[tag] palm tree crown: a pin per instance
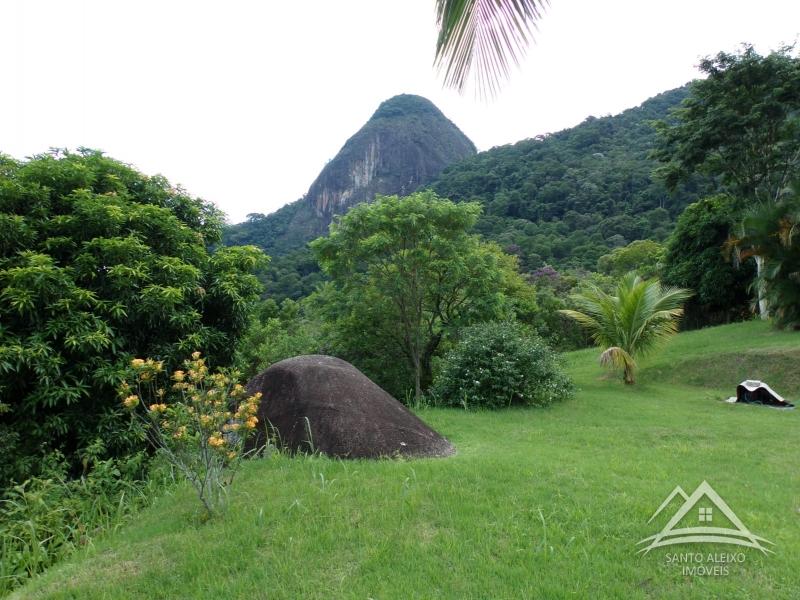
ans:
(772, 235)
(631, 324)
(483, 36)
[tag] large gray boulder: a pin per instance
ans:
(321, 403)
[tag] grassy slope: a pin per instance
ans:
(537, 503)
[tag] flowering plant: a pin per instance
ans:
(200, 424)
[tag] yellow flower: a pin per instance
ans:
(131, 402)
(158, 408)
(195, 355)
(160, 392)
(137, 363)
(231, 455)
(215, 441)
(251, 406)
(178, 375)
(254, 401)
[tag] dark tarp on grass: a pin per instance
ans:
(752, 391)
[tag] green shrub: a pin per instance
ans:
(46, 518)
(497, 365)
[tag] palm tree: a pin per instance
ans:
(772, 234)
(484, 35)
(632, 323)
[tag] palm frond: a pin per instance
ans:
(484, 36)
(618, 358)
(587, 321)
(659, 309)
(594, 303)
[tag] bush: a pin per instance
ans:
(497, 365)
(46, 518)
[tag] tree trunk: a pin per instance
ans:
(426, 370)
(628, 375)
(763, 308)
(417, 376)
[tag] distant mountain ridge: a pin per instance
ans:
(561, 200)
(404, 145)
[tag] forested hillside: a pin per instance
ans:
(568, 198)
(563, 199)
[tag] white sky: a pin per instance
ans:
(243, 102)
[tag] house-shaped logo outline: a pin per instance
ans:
(741, 536)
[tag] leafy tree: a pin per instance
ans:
(553, 289)
(406, 272)
(741, 124)
(632, 323)
(643, 256)
(695, 258)
(277, 332)
(99, 263)
(294, 275)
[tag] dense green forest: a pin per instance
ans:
(266, 230)
(568, 198)
(562, 200)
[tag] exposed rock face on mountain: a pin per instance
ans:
(322, 403)
(404, 145)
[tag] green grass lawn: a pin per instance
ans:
(539, 503)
